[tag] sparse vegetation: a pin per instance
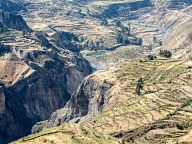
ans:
(165, 53)
(152, 57)
(104, 22)
(118, 23)
(139, 86)
(179, 127)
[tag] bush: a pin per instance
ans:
(139, 86)
(165, 53)
(104, 22)
(118, 23)
(151, 57)
(119, 38)
(179, 127)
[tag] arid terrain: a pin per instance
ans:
(95, 71)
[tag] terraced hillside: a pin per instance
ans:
(108, 103)
(132, 100)
(177, 24)
(161, 114)
(70, 134)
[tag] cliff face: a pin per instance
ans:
(36, 77)
(90, 99)
(31, 92)
(13, 21)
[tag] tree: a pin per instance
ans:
(151, 57)
(160, 43)
(165, 53)
(125, 31)
(119, 38)
(118, 23)
(125, 41)
(104, 22)
(140, 41)
(139, 86)
(155, 40)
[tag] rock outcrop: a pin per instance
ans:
(92, 96)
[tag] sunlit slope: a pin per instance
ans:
(68, 134)
(161, 113)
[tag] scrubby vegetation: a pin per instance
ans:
(152, 57)
(125, 37)
(104, 22)
(139, 86)
(165, 53)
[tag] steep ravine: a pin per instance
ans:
(36, 77)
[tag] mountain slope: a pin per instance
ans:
(36, 77)
(107, 102)
(177, 24)
(10, 6)
(70, 134)
(13, 21)
(144, 101)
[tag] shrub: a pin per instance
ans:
(160, 43)
(179, 127)
(139, 86)
(104, 22)
(118, 23)
(151, 57)
(165, 53)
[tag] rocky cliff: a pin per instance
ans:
(13, 21)
(36, 77)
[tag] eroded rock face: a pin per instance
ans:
(13, 21)
(90, 99)
(35, 88)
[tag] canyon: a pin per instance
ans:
(94, 71)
